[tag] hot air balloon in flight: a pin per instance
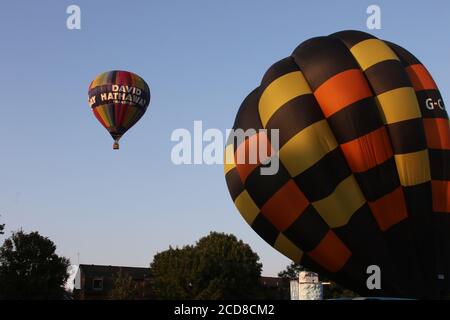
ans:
(118, 99)
(364, 165)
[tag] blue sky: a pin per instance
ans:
(58, 174)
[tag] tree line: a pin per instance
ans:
(217, 267)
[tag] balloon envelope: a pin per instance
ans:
(118, 99)
(364, 165)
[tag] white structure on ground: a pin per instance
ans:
(294, 289)
(73, 271)
(307, 287)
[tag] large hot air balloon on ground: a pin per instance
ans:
(118, 99)
(364, 165)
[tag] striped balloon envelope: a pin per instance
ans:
(118, 99)
(363, 153)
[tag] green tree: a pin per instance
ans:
(219, 266)
(291, 272)
(225, 268)
(124, 287)
(171, 273)
(30, 268)
(2, 229)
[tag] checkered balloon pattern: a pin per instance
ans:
(364, 165)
